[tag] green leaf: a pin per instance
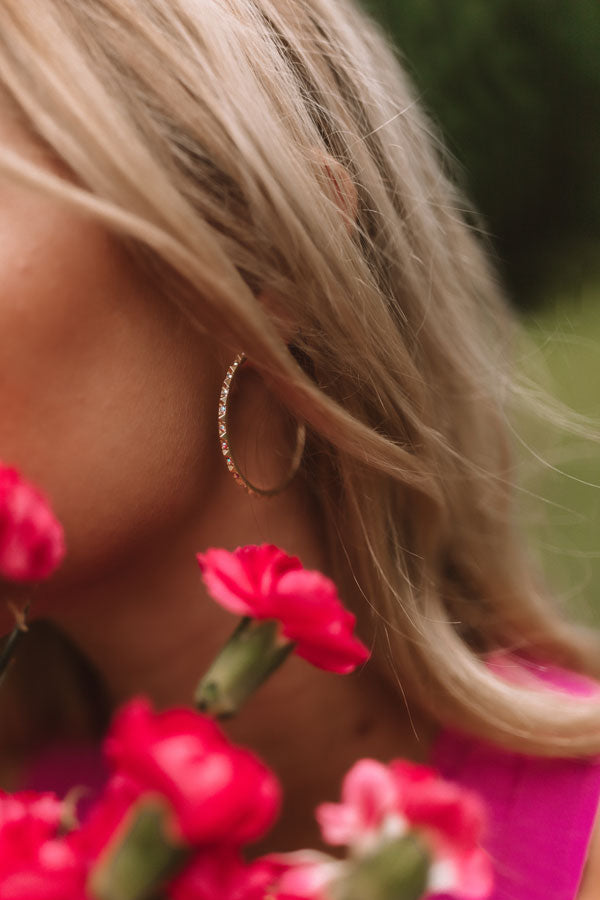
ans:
(141, 859)
(396, 871)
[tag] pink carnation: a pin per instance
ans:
(381, 801)
(370, 802)
(217, 791)
(31, 539)
(34, 863)
(265, 583)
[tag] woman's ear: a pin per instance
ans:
(343, 189)
(278, 313)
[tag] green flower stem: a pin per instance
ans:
(137, 866)
(397, 869)
(13, 640)
(253, 652)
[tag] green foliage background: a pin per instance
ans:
(564, 470)
(515, 87)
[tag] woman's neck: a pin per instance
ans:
(151, 628)
(148, 625)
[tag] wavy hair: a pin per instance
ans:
(197, 131)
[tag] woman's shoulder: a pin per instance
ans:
(541, 811)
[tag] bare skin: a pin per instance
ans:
(109, 403)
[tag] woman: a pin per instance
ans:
(185, 181)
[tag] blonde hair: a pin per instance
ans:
(196, 130)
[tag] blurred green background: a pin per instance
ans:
(514, 87)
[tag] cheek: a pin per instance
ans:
(105, 402)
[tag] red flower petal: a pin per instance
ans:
(227, 581)
(219, 792)
(34, 863)
(369, 796)
(31, 539)
(218, 873)
(266, 583)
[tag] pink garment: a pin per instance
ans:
(63, 766)
(541, 811)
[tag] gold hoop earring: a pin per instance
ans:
(225, 441)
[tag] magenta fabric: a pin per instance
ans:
(541, 811)
(61, 767)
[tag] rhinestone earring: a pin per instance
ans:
(225, 441)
